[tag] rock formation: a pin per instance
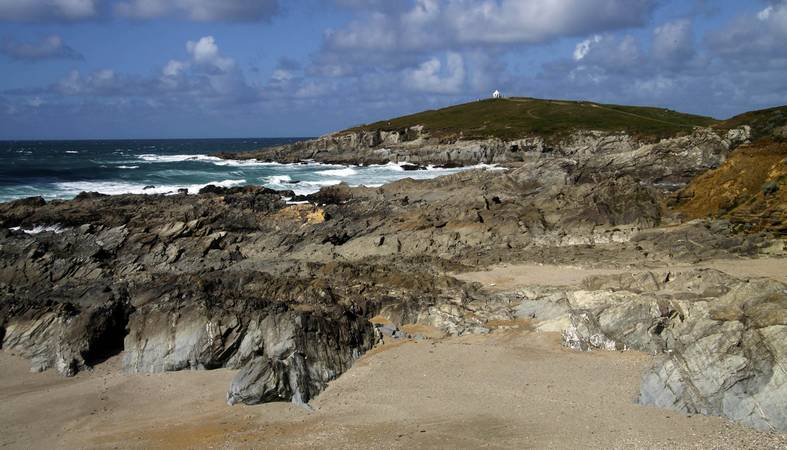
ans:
(719, 341)
(672, 160)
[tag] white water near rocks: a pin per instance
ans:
(61, 170)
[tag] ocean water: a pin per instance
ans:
(63, 169)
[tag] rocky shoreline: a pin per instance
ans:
(239, 278)
(590, 151)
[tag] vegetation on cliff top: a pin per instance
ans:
(768, 123)
(518, 117)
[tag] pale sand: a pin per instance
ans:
(502, 277)
(510, 389)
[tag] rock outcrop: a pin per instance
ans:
(597, 155)
(720, 342)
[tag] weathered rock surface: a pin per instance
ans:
(720, 341)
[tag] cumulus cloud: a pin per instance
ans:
(48, 10)
(200, 10)
(445, 23)
(50, 47)
(430, 76)
(205, 53)
(207, 77)
(411, 39)
(174, 68)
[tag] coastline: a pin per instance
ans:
(290, 291)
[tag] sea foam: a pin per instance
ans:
(114, 188)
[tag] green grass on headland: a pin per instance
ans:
(518, 117)
(768, 123)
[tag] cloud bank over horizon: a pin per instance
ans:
(145, 68)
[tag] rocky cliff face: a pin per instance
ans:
(596, 154)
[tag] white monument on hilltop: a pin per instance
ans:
(496, 94)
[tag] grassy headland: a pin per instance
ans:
(518, 117)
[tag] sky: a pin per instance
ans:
(101, 69)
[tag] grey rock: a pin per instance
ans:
(721, 342)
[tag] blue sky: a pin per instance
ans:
(264, 68)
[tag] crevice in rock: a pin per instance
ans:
(107, 334)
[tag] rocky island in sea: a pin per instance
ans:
(619, 232)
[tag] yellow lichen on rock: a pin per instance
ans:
(305, 214)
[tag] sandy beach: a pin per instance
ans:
(511, 389)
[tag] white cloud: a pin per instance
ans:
(765, 14)
(443, 24)
(583, 47)
(429, 76)
(174, 68)
(608, 52)
(205, 52)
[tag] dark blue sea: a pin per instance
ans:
(63, 169)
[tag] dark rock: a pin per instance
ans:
(32, 202)
(337, 239)
(90, 196)
(332, 195)
(410, 167)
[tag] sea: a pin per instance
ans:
(63, 169)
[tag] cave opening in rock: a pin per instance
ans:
(110, 330)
